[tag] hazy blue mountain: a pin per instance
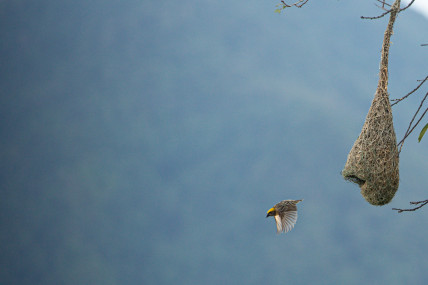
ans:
(144, 141)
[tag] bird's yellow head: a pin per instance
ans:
(271, 212)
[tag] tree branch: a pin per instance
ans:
(410, 4)
(396, 101)
(388, 11)
(297, 4)
(422, 203)
(410, 128)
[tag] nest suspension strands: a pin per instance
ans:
(373, 160)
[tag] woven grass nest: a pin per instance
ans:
(373, 162)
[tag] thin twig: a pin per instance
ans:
(297, 4)
(396, 101)
(387, 12)
(383, 4)
(410, 128)
(376, 17)
(422, 203)
(410, 4)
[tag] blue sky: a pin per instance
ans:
(421, 6)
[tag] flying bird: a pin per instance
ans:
(285, 214)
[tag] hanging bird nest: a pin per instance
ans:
(373, 160)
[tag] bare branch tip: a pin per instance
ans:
(422, 203)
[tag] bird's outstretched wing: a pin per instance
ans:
(287, 222)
